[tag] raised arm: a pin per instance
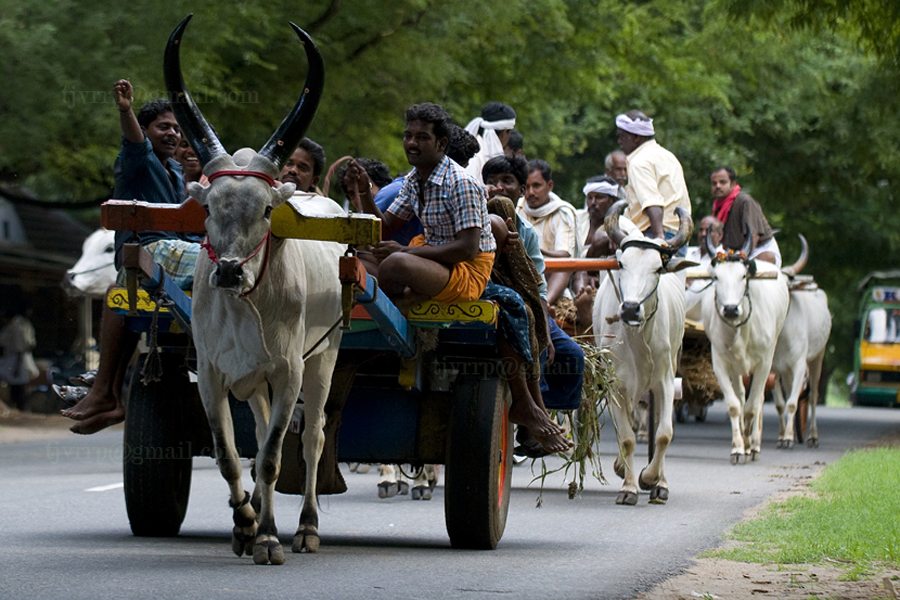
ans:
(123, 94)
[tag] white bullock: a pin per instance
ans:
(743, 318)
(639, 314)
(94, 272)
(799, 355)
(264, 311)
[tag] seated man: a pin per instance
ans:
(452, 260)
(145, 170)
(552, 218)
(741, 213)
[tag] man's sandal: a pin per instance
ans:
(70, 394)
(85, 379)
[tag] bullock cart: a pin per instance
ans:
(423, 388)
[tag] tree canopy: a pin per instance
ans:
(800, 98)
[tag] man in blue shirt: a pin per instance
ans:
(145, 170)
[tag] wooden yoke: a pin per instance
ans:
(557, 265)
(134, 215)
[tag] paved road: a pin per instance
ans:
(65, 532)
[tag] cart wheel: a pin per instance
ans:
(701, 416)
(157, 457)
(479, 463)
(801, 418)
(681, 413)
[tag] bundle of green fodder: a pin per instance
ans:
(600, 386)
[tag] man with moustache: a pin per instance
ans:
(742, 214)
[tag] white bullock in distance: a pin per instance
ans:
(743, 318)
(639, 314)
(799, 355)
(260, 305)
(94, 272)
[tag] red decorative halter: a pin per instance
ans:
(267, 239)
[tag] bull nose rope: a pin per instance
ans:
(266, 241)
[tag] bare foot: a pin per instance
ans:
(98, 421)
(554, 443)
(536, 420)
(93, 404)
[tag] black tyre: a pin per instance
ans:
(157, 454)
(479, 463)
(682, 412)
(701, 414)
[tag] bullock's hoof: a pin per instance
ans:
(627, 498)
(812, 442)
(659, 495)
(754, 455)
(306, 539)
(363, 467)
(737, 458)
(241, 542)
(788, 444)
(268, 550)
(619, 467)
(421, 492)
(780, 444)
(403, 487)
(642, 437)
(644, 485)
(388, 489)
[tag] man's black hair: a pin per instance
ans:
(515, 142)
(432, 113)
(317, 153)
(463, 145)
(377, 171)
(497, 111)
(537, 164)
(151, 110)
(731, 174)
(517, 166)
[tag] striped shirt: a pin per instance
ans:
(453, 201)
(141, 176)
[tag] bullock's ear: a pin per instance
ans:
(197, 192)
(283, 193)
(677, 263)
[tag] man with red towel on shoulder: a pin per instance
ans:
(740, 212)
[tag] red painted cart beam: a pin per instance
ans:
(134, 215)
(556, 265)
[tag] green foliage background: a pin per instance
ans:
(800, 97)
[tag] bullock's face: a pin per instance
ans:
(238, 220)
(639, 273)
(730, 279)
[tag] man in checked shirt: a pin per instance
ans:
(452, 260)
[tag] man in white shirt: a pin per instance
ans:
(656, 185)
(552, 218)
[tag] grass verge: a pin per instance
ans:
(849, 516)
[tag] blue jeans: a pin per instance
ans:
(561, 382)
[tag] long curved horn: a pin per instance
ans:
(685, 231)
(748, 241)
(285, 139)
(795, 268)
(611, 221)
(710, 249)
(194, 127)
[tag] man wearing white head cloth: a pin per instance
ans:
(600, 192)
(492, 131)
(656, 184)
